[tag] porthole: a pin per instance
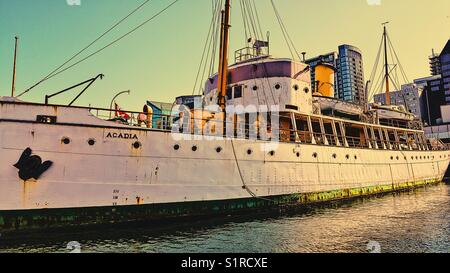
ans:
(219, 149)
(277, 86)
(249, 151)
(392, 158)
(176, 147)
(255, 88)
(412, 157)
(334, 156)
(272, 153)
(65, 140)
(91, 142)
(306, 90)
(315, 155)
(298, 154)
(194, 148)
(296, 87)
(398, 158)
(347, 156)
(356, 157)
(137, 145)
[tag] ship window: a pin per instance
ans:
(398, 158)
(238, 91)
(277, 86)
(272, 153)
(255, 88)
(65, 140)
(137, 145)
(194, 148)
(91, 142)
(296, 87)
(356, 157)
(315, 155)
(249, 151)
(229, 93)
(306, 90)
(219, 149)
(347, 156)
(335, 156)
(176, 147)
(392, 158)
(298, 154)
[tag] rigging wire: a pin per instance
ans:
(286, 35)
(86, 47)
(374, 72)
(244, 20)
(251, 19)
(253, 13)
(207, 46)
(216, 40)
(113, 42)
(405, 77)
(257, 19)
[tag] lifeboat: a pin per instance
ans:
(397, 112)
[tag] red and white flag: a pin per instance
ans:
(120, 113)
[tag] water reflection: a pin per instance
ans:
(417, 221)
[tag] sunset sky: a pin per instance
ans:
(160, 60)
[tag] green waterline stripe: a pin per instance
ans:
(30, 220)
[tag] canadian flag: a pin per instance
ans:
(120, 113)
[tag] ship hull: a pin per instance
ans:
(17, 222)
(170, 176)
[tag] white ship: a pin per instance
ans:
(64, 166)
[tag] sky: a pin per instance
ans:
(160, 61)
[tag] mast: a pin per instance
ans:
(386, 66)
(223, 58)
(14, 67)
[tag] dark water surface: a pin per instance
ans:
(417, 221)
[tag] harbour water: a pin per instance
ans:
(411, 222)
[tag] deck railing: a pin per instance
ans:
(196, 126)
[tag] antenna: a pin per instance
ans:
(13, 88)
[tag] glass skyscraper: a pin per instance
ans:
(350, 76)
(445, 70)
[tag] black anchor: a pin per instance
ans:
(31, 166)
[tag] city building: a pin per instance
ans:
(350, 76)
(435, 63)
(445, 70)
(329, 58)
(349, 80)
(409, 96)
(432, 98)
